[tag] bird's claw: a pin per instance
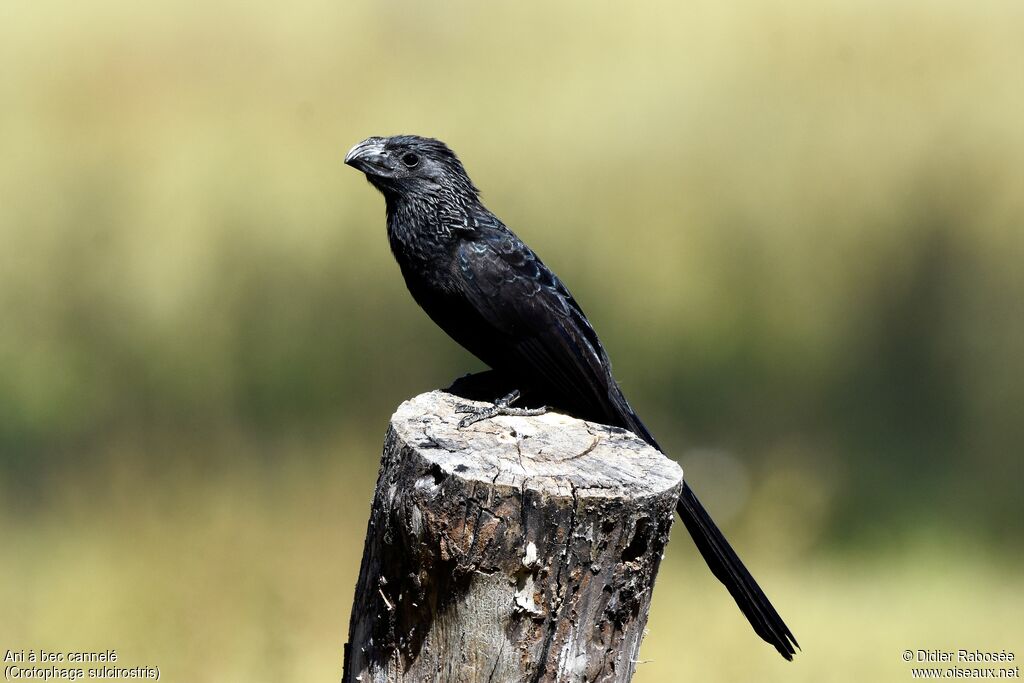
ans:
(503, 406)
(476, 415)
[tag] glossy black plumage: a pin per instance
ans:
(489, 291)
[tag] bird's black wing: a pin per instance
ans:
(537, 327)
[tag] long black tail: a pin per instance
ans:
(717, 552)
(725, 565)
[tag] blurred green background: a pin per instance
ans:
(797, 227)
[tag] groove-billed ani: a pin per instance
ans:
(488, 290)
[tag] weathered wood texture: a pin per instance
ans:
(517, 549)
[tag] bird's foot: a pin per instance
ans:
(503, 406)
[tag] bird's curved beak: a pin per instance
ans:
(369, 156)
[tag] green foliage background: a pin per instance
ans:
(797, 227)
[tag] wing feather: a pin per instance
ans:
(539, 326)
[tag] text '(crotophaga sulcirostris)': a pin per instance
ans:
(488, 290)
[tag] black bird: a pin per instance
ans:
(488, 290)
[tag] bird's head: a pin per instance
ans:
(410, 166)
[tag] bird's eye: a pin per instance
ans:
(410, 159)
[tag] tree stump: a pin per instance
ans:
(516, 549)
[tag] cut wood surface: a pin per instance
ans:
(516, 549)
